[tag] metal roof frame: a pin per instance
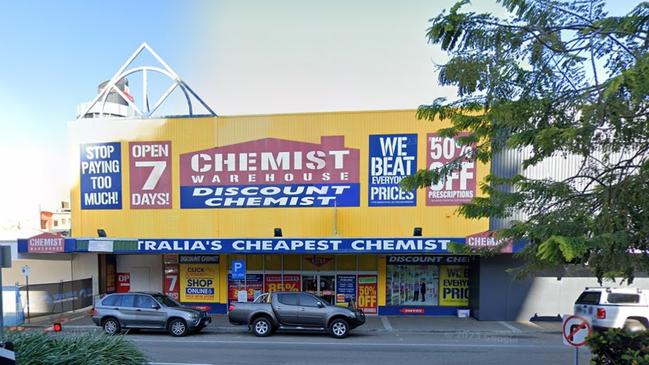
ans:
(147, 111)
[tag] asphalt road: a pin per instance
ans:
(360, 348)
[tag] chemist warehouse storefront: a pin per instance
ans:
(305, 201)
(391, 282)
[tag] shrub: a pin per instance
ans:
(36, 348)
(619, 347)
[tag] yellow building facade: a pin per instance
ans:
(215, 209)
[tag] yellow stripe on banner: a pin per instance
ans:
(223, 279)
(382, 277)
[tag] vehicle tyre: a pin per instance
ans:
(339, 328)
(111, 326)
(177, 327)
(262, 327)
(633, 325)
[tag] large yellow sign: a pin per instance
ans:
(454, 286)
(313, 175)
(199, 283)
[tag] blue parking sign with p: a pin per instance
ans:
(238, 269)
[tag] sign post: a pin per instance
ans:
(5, 261)
(575, 331)
(26, 270)
(239, 273)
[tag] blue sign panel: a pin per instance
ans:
(392, 157)
(270, 196)
(297, 245)
(238, 269)
(346, 285)
(101, 176)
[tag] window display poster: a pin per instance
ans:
(454, 286)
(171, 287)
(412, 285)
(345, 289)
(254, 285)
(199, 283)
(274, 282)
(367, 293)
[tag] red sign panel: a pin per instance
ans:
(171, 284)
(271, 172)
(274, 282)
(123, 282)
(488, 239)
(46, 243)
(150, 164)
(459, 186)
(367, 293)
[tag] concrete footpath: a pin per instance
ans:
(406, 324)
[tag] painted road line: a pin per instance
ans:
(510, 327)
(176, 363)
(386, 323)
(356, 344)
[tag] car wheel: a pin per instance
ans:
(633, 325)
(111, 326)
(262, 327)
(177, 328)
(339, 328)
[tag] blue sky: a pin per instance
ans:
(241, 56)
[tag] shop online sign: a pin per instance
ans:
(271, 172)
(301, 245)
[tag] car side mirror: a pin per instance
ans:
(155, 306)
(320, 305)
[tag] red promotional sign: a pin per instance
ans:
(123, 282)
(367, 293)
(488, 239)
(254, 284)
(150, 164)
(171, 284)
(460, 185)
(46, 243)
(274, 282)
(271, 172)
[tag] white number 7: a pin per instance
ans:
(172, 283)
(157, 171)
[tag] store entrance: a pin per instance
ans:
(322, 285)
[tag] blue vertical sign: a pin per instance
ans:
(101, 176)
(392, 157)
(346, 287)
(238, 269)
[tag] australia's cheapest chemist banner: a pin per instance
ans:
(302, 245)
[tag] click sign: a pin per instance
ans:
(238, 269)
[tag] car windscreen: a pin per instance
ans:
(589, 297)
(623, 298)
(166, 301)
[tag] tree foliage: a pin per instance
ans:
(554, 79)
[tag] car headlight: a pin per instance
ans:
(194, 315)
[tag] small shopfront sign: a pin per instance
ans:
(46, 243)
(123, 282)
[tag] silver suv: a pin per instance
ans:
(140, 310)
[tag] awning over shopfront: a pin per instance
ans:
(382, 245)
